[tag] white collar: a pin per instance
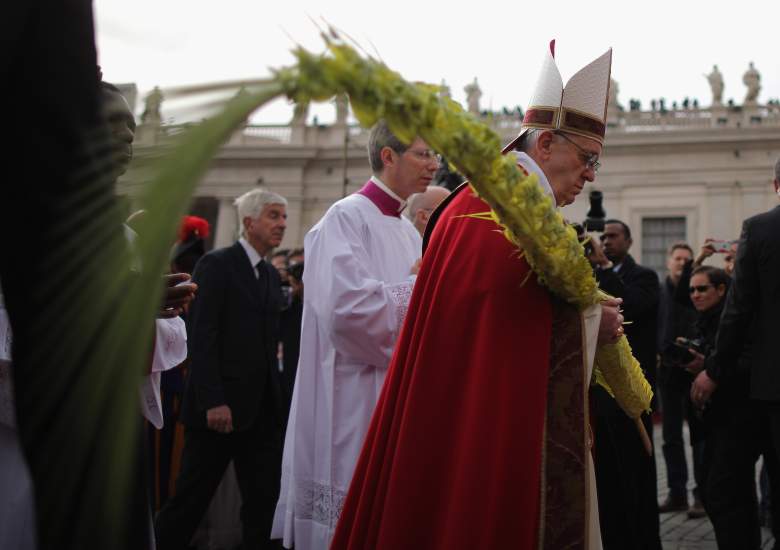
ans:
(254, 255)
(532, 168)
(379, 183)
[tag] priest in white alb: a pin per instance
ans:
(361, 263)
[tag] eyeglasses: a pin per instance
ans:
(701, 289)
(590, 159)
(425, 154)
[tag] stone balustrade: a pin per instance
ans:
(507, 126)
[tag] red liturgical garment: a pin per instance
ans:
(454, 454)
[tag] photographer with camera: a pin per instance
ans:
(734, 439)
(676, 318)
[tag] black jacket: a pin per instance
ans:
(639, 288)
(753, 307)
(232, 335)
(674, 319)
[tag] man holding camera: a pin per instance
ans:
(676, 319)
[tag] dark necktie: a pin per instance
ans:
(260, 269)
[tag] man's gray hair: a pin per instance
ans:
(530, 138)
(777, 170)
(251, 204)
(379, 138)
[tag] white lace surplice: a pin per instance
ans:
(357, 290)
(170, 349)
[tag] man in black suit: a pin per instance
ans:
(233, 403)
(754, 297)
(751, 317)
(625, 474)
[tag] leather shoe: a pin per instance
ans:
(697, 510)
(673, 504)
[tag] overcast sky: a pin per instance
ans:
(660, 48)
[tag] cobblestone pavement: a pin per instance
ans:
(678, 532)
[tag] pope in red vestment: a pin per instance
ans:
(480, 438)
(454, 454)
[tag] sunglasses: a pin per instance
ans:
(701, 289)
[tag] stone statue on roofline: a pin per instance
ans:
(752, 79)
(614, 90)
(152, 104)
(473, 94)
(715, 78)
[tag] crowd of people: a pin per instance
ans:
(418, 386)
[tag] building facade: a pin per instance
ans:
(679, 174)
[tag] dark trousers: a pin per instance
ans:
(738, 435)
(256, 454)
(676, 407)
(625, 478)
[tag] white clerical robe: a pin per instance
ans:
(170, 350)
(357, 286)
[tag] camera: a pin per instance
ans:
(594, 221)
(582, 236)
(679, 351)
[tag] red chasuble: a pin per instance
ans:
(454, 455)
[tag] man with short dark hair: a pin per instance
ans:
(121, 123)
(625, 474)
(361, 263)
(676, 319)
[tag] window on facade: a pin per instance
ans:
(658, 234)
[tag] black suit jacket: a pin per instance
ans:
(232, 335)
(753, 305)
(640, 290)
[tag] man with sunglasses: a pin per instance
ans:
(361, 263)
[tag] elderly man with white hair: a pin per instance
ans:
(422, 205)
(233, 404)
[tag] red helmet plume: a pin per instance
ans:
(193, 227)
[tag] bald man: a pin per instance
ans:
(422, 205)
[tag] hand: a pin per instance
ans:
(702, 389)
(697, 365)
(597, 257)
(220, 419)
(706, 251)
(416, 267)
(178, 294)
(611, 326)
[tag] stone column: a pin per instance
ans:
(342, 109)
(226, 229)
(298, 124)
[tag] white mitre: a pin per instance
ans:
(578, 108)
